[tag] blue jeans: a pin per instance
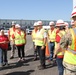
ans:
(60, 65)
(35, 51)
(51, 48)
(0, 56)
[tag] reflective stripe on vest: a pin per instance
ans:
(70, 54)
(72, 51)
(61, 33)
(33, 35)
(52, 35)
(39, 40)
(73, 45)
(19, 38)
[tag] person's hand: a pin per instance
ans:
(54, 56)
(35, 47)
(42, 47)
(4, 42)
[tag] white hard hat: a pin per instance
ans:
(13, 22)
(17, 26)
(39, 23)
(72, 22)
(66, 24)
(51, 23)
(60, 23)
(35, 24)
(73, 12)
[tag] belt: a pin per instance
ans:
(52, 42)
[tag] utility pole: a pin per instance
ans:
(74, 4)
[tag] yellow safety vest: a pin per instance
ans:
(39, 40)
(61, 33)
(11, 33)
(70, 53)
(52, 35)
(33, 35)
(19, 38)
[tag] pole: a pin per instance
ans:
(74, 4)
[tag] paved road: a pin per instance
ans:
(28, 67)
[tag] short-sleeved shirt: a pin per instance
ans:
(44, 34)
(57, 37)
(2, 39)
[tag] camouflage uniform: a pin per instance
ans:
(64, 42)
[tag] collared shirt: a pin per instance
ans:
(2, 39)
(44, 34)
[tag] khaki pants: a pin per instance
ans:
(69, 69)
(12, 48)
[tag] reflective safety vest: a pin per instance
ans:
(11, 33)
(39, 40)
(70, 53)
(33, 35)
(51, 35)
(61, 53)
(19, 38)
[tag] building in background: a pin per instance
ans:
(6, 23)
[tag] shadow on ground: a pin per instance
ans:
(21, 73)
(14, 65)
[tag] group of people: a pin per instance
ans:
(62, 44)
(17, 39)
(61, 40)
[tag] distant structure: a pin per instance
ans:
(6, 23)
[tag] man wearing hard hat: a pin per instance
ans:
(33, 39)
(40, 42)
(10, 33)
(58, 53)
(51, 38)
(69, 60)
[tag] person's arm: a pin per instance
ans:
(3, 42)
(57, 45)
(45, 40)
(56, 50)
(9, 34)
(25, 38)
(66, 40)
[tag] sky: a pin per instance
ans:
(36, 9)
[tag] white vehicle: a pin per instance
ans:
(6, 32)
(46, 27)
(29, 31)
